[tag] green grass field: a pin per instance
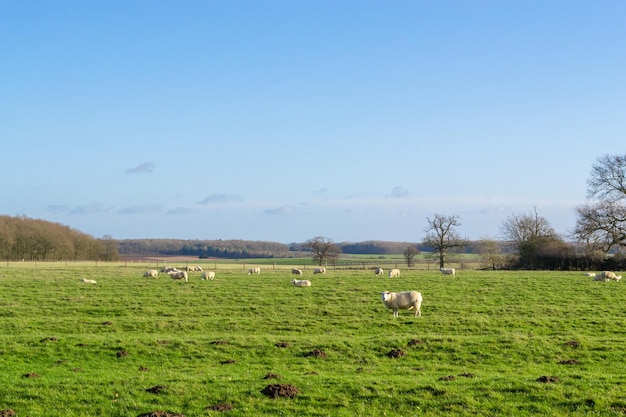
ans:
(489, 343)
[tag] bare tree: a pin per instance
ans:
(528, 233)
(602, 223)
(441, 234)
(324, 250)
(409, 254)
(490, 252)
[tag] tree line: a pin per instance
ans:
(24, 238)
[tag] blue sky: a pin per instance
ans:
(285, 120)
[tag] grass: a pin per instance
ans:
(485, 338)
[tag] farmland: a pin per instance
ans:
(489, 343)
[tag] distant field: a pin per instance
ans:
(490, 343)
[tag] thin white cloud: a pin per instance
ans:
(145, 168)
(221, 198)
(280, 211)
(149, 208)
(181, 211)
(93, 208)
(399, 192)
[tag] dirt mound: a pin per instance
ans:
(220, 407)
(282, 344)
(271, 375)
(121, 354)
(572, 343)
(159, 413)
(219, 342)
(447, 378)
(548, 379)
(157, 389)
(280, 390)
(396, 353)
(415, 342)
(569, 362)
(31, 375)
(7, 413)
(316, 353)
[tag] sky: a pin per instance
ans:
(286, 120)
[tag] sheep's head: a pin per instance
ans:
(384, 295)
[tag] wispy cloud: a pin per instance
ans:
(150, 208)
(280, 211)
(221, 198)
(180, 211)
(145, 168)
(93, 208)
(399, 192)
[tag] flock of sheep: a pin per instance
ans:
(395, 301)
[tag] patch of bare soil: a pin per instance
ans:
(316, 353)
(280, 390)
(49, 339)
(220, 407)
(159, 413)
(228, 361)
(219, 342)
(415, 342)
(143, 369)
(7, 413)
(107, 323)
(157, 389)
(569, 362)
(447, 378)
(396, 353)
(467, 375)
(548, 379)
(271, 375)
(121, 354)
(282, 344)
(572, 343)
(31, 375)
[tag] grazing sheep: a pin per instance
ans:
(88, 281)
(168, 269)
(182, 275)
(394, 273)
(320, 270)
(296, 271)
(403, 301)
(379, 271)
(607, 276)
(255, 271)
(301, 282)
(448, 271)
(193, 268)
(208, 275)
(152, 273)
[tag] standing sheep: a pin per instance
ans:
(182, 275)
(208, 275)
(379, 271)
(394, 273)
(296, 271)
(448, 271)
(403, 301)
(254, 271)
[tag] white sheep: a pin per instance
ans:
(255, 271)
(208, 275)
(301, 282)
(607, 276)
(448, 271)
(88, 281)
(590, 274)
(394, 273)
(182, 275)
(320, 270)
(403, 301)
(152, 273)
(379, 271)
(296, 271)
